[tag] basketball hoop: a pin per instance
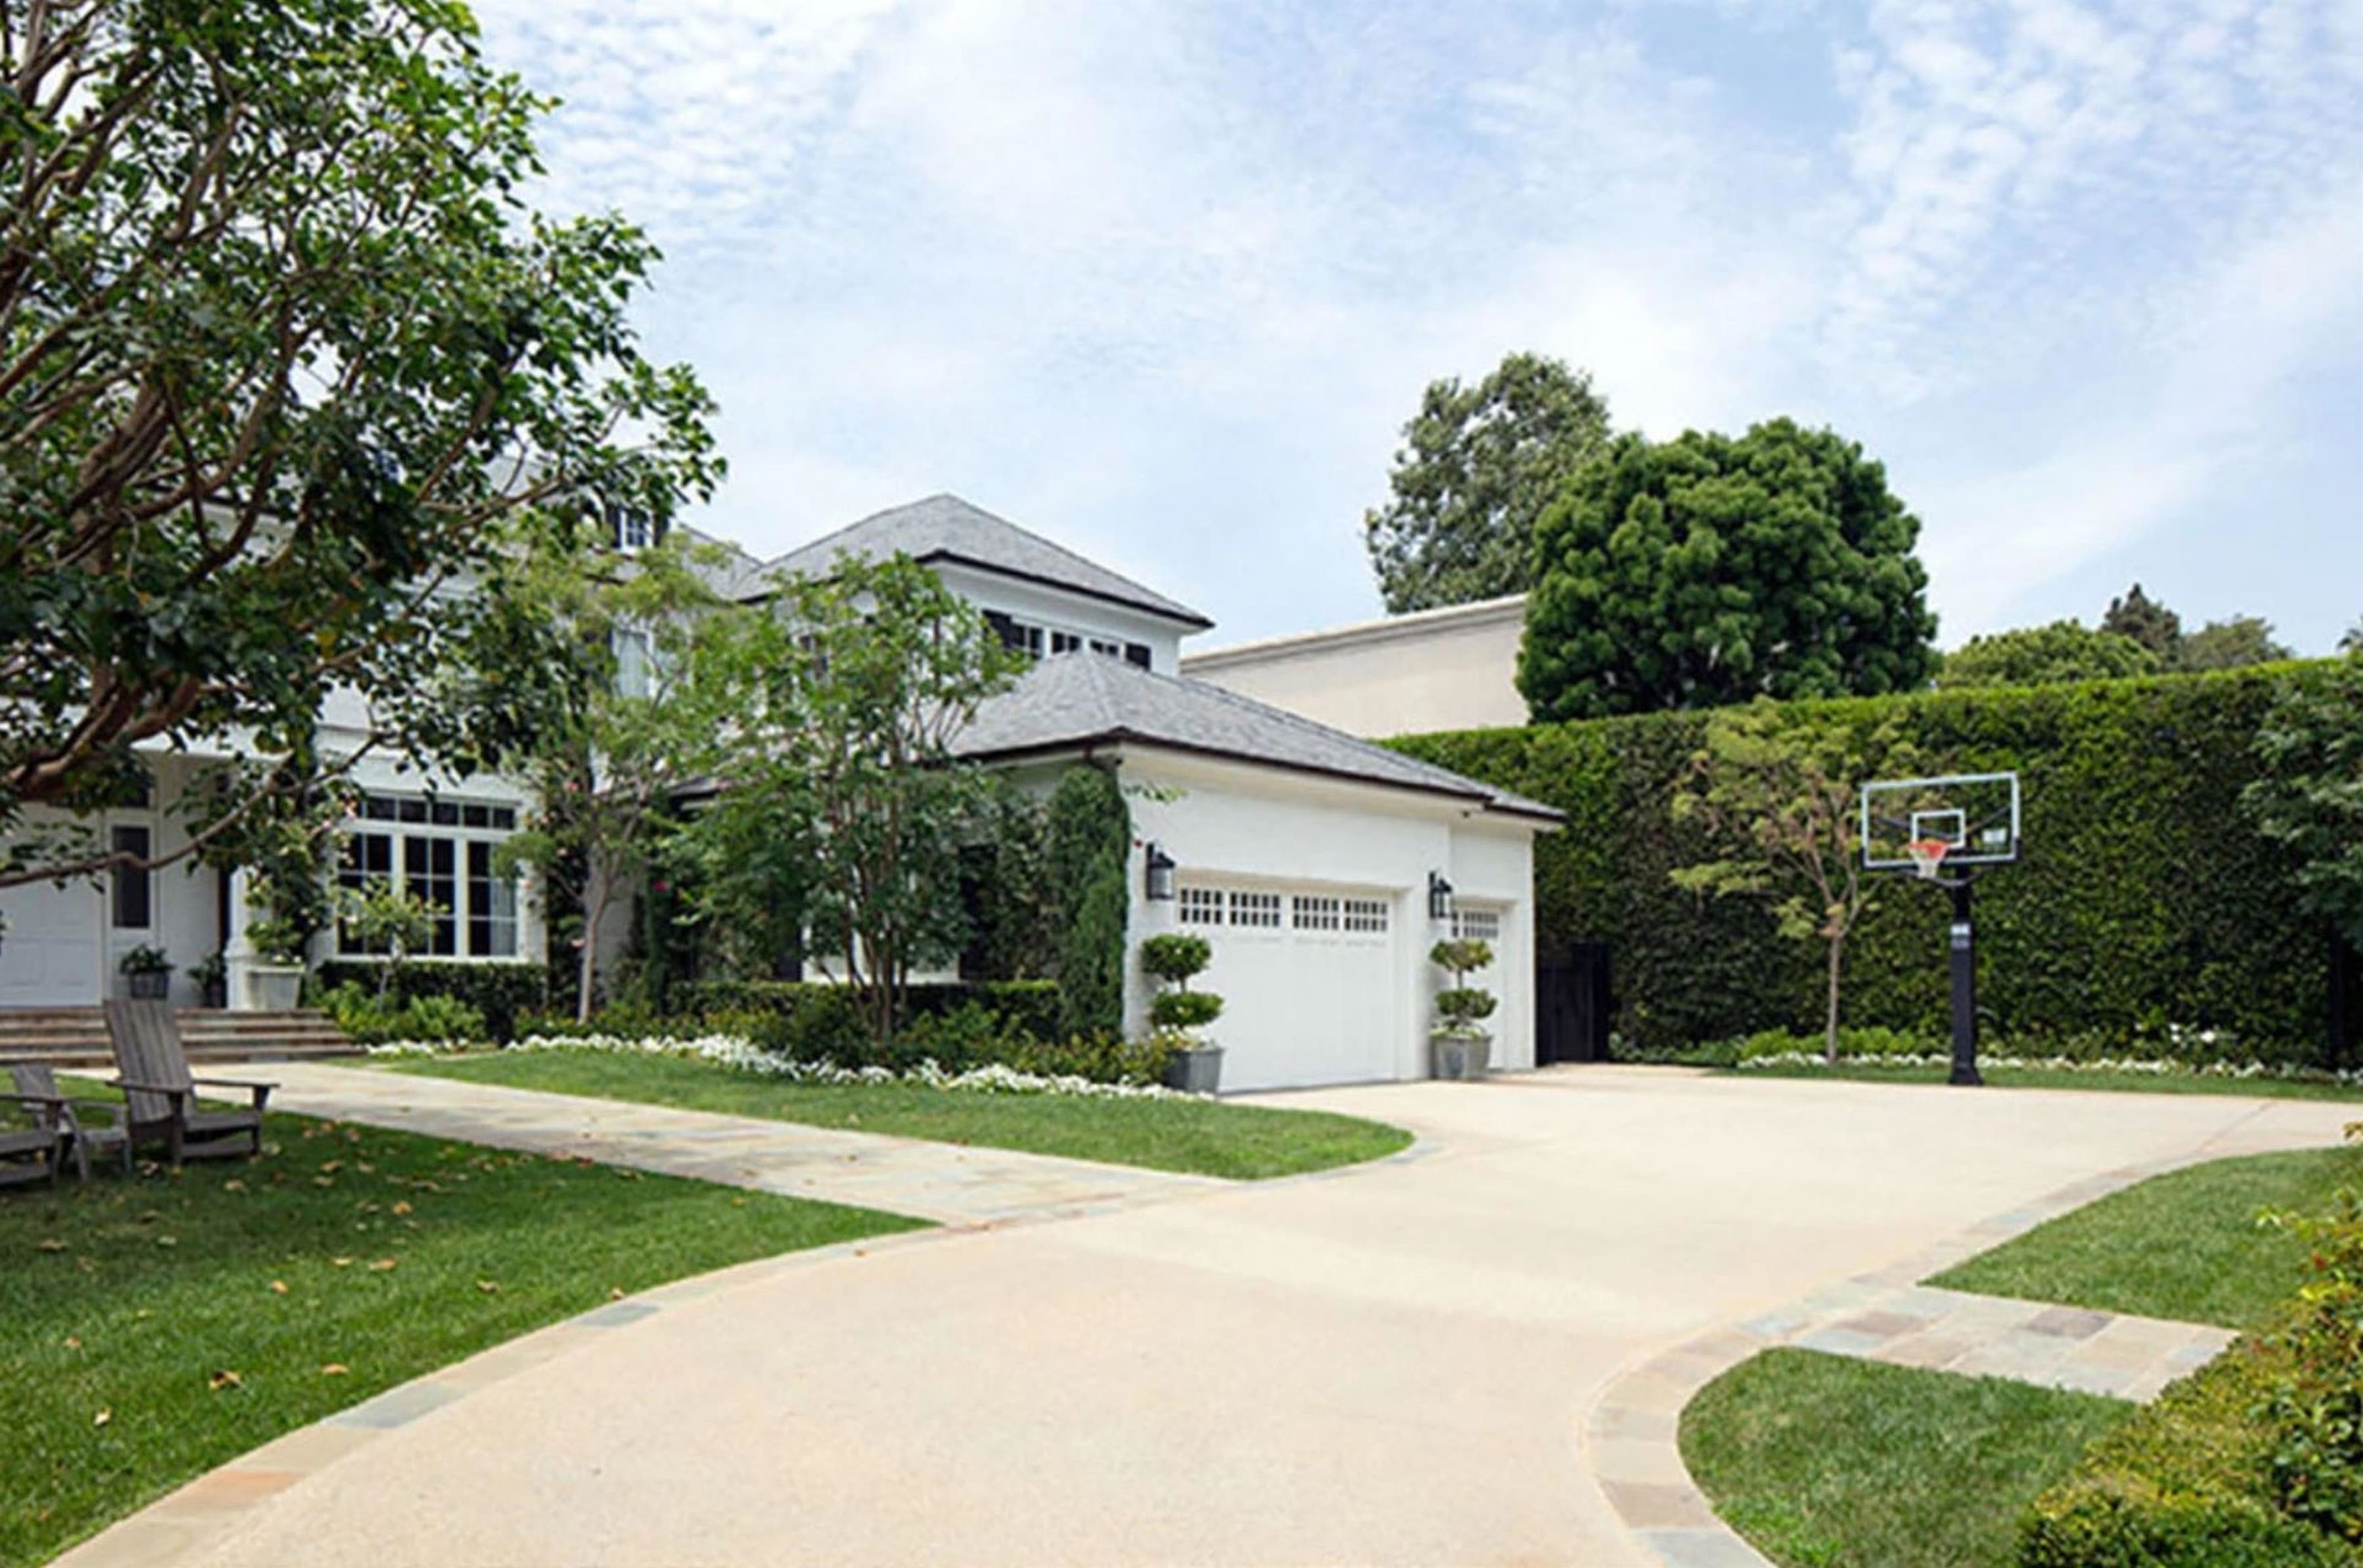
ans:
(1928, 857)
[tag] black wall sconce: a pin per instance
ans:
(1160, 873)
(1439, 897)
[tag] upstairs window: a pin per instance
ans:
(630, 530)
(635, 662)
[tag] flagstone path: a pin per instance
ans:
(948, 1183)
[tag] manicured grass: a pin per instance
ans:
(2041, 1077)
(153, 1329)
(1205, 1137)
(2184, 1245)
(1827, 1462)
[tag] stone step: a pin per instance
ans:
(77, 1036)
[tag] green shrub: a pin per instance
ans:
(371, 1020)
(1176, 957)
(736, 1007)
(1185, 1010)
(2314, 1407)
(1088, 832)
(503, 992)
(2145, 899)
(1865, 1042)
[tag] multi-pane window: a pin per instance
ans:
(452, 872)
(1477, 925)
(1034, 639)
(1201, 906)
(1311, 912)
(635, 662)
(1261, 909)
(1368, 915)
(132, 888)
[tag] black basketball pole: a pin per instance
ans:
(1965, 986)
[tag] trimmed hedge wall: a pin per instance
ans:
(2144, 898)
(1022, 1007)
(500, 990)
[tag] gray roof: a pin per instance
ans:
(1079, 698)
(733, 574)
(945, 527)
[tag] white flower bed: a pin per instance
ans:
(741, 1054)
(2070, 1064)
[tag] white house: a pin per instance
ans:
(1453, 669)
(1321, 868)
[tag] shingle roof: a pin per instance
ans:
(945, 527)
(1077, 699)
(734, 575)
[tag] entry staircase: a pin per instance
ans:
(76, 1036)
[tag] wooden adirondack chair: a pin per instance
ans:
(97, 1126)
(162, 1097)
(30, 1154)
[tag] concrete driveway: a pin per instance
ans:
(1388, 1365)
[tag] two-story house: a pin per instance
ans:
(1320, 868)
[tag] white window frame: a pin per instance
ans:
(426, 820)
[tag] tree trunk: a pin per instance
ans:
(1830, 1022)
(594, 910)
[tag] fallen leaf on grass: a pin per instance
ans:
(278, 1287)
(402, 1207)
(489, 1287)
(340, 1262)
(233, 1184)
(224, 1379)
(382, 1264)
(49, 1244)
(168, 1240)
(73, 1342)
(334, 1369)
(324, 1181)
(614, 1295)
(103, 1416)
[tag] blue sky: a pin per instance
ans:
(1164, 280)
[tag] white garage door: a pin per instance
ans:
(49, 949)
(1312, 987)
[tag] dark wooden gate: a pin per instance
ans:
(1573, 1009)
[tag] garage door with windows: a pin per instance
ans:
(1312, 987)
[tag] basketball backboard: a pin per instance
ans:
(1976, 815)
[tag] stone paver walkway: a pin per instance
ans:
(944, 1182)
(1631, 1441)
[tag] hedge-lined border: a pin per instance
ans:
(2144, 903)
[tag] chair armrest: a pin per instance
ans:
(114, 1110)
(178, 1097)
(261, 1092)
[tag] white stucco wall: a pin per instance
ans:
(1441, 669)
(1236, 826)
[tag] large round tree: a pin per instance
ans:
(1711, 569)
(1478, 466)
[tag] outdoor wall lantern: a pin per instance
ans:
(1439, 897)
(1160, 873)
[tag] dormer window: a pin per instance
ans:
(631, 531)
(1033, 641)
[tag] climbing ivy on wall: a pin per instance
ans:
(2145, 898)
(1090, 846)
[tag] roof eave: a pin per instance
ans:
(1180, 614)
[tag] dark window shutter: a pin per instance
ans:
(1136, 654)
(1003, 627)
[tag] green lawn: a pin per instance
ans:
(1206, 1137)
(1827, 1462)
(2040, 1077)
(153, 1329)
(2183, 1245)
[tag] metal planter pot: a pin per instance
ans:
(1195, 1071)
(150, 985)
(1462, 1059)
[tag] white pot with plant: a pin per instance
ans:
(274, 976)
(1459, 1045)
(1194, 1064)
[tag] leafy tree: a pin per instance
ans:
(280, 348)
(2043, 656)
(1088, 832)
(1009, 894)
(1478, 466)
(1780, 798)
(832, 718)
(603, 649)
(2353, 641)
(2229, 644)
(2146, 622)
(2311, 797)
(1711, 569)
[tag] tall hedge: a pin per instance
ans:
(1089, 833)
(2144, 898)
